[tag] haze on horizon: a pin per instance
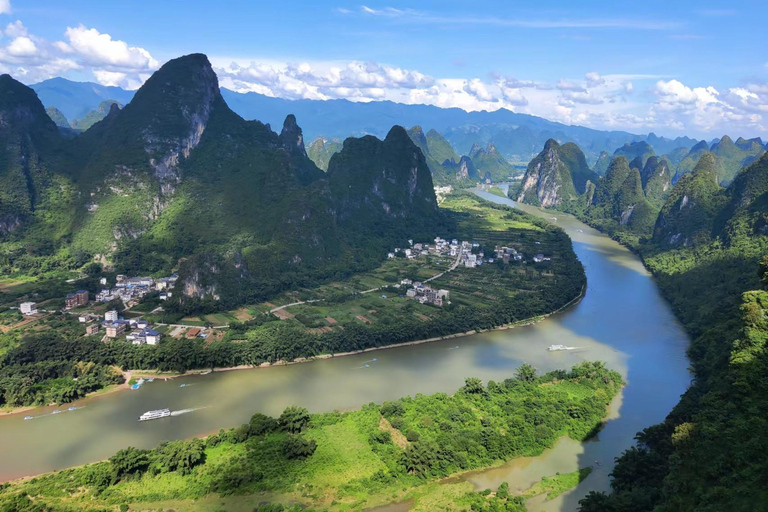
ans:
(670, 69)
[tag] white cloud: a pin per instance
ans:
(15, 29)
(99, 49)
(5, 6)
(22, 47)
(594, 79)
(566, 85)
(112, 62)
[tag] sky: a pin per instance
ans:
(669, 67)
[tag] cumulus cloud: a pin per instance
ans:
(112, 62)
(566, 85)
(353, 80)
(5, 6)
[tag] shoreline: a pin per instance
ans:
(128, 374)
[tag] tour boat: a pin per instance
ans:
(555, 348)
(138, 384)
(56, 411)
(28, 417)
(72, 408)
(155, 415)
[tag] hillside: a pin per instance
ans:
(490, 164)
(557, 178)
(94, 116)
(705, 456)
(176, 176)
(321, 150)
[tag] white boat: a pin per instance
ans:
(155, 415)
(28, 417)
(556, 348)
(205, 372)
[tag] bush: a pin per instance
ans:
(390, 409)
(380, 437)
(398, 423)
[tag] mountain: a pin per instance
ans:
(557, 178)
(664, 145)
(687, 217)
(446, 166)
(321, 150)
(602, 163)
(632, 150)
(518, 137)
(57, 117)
(379, 182)
(619, 201)
(733, 157)
(30, 147)
(490, 164)
(656, 180)
(94, 116)
(730, 156)
(76, 99)
(177, 179)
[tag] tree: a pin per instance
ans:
(473, 386)
(294, 419)
(526, 373)
(261, 424)
(762, 271)
(129, 461)
(296, 447)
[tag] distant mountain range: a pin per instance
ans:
(516, 137)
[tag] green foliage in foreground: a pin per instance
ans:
(334, 460)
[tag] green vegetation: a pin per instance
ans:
(490, 163)
(706, 455)
(321, 150)
(556, 485)
(341, 461)
(94, 116)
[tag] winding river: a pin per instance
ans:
(622, 320)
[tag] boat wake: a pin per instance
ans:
(186, 411)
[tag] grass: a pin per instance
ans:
(556, 485)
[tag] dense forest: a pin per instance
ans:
(332, 461)
(707, 255)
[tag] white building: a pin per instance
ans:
(110, 316)
(28, 308)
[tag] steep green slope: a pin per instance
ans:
(656, 180)
(687, 218)
(733, 157)
(57, 117)
(619, 202)
(490, 164)
(707, 455)
(557, 178)
(321, 150)
(602, 163)
(94, 116)
(442, 159)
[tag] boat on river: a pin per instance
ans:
(557, 348)
(56, 411)
(28, 417)
(138, 384)
(155, 415)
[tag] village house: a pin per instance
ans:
(28, 308)
(92, 329)
(110, 316)
(115, 328)
(79, 298)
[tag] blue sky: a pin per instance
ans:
(699, 68)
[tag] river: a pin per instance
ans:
(622, 320)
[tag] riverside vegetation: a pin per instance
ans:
(704, 243)
(379, 454)
(38, 361)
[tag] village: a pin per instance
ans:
(130, 291)
(466, 254)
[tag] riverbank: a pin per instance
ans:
(351, 460)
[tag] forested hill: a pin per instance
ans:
(706, 253)
(177, 176)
